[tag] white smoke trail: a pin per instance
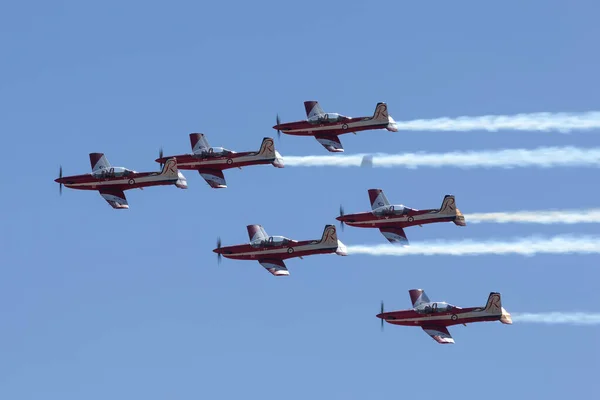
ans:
(544, 157)
(541, 122)
(572, 318)
(524, 246)
(591, 216)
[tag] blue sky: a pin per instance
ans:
(98, 302)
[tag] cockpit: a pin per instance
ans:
(271, 241)
(323, 118)
(215, 152)
(398, 209)
(435, 307)
(112, 172)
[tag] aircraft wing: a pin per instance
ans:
(214, 178)
(439, 333)
(313, 108)
(116, 198)
(276, 267)
(331, 143)
(257, 232)
(395, 235)
(377, 198)
(99, 161)
(198, 142)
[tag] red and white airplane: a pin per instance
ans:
(391, 219)
(435, 317)
(211, 161)
(111, 181)
(326, 127)
(270, 251)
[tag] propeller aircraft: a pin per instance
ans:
(270, 251)
(391, 219)
(211, 161)
(435, 317)
(111, 182)
(326, 127)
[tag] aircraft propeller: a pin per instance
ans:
(278, 131)
(382, 313)
(219, 256)
(341, 215)
(60, 177)
(160, 155)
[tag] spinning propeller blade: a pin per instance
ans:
(218, 247)
(382, 313)
(341, 215)
(60, 177)
(160, 155)
(278, 131)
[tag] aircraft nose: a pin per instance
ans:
(379, 316)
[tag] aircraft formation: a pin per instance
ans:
(271, 251)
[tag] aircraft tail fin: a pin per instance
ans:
(494, 306)
(267, 150)
(330, 238)
(381, 115)
(170, 171)
(449, 208)
(170, 168)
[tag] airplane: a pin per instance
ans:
(270, 251)
(111, 181)
(435, 317)
(326, 127)
(391, 219)
(211, 161)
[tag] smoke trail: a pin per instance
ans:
(524, 246)
(591, 216)
(544, 157)
(541, 122)
(573, 318)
